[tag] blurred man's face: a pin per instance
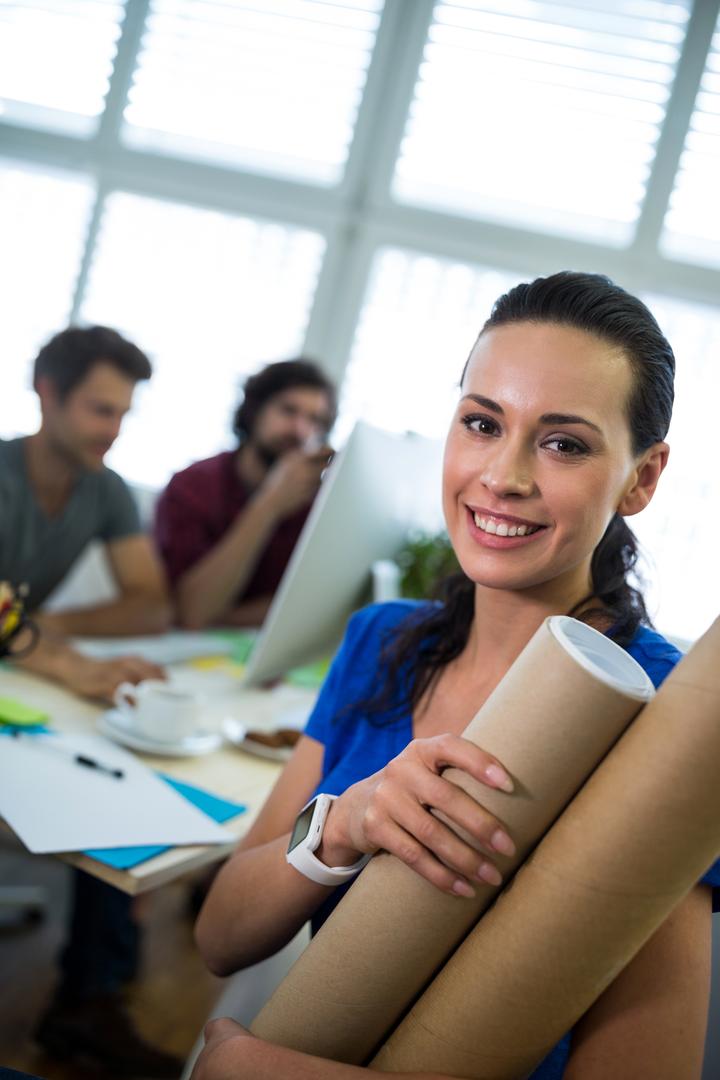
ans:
(292, 419)
(84, 425)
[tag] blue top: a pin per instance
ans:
(356, 747)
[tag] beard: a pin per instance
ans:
(271, 452)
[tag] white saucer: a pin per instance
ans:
(114, 724)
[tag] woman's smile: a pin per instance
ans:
(501, 531)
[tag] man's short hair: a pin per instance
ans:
(274, 379)
(67, 358)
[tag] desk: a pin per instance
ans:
(227, 772)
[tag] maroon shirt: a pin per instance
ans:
(198, 507)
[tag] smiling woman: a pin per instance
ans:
(557, 438)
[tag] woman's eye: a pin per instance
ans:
(480, 425)
(566, 446)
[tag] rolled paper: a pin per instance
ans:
(631, 845)
(560, 707)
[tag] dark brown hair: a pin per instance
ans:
(66, 359)
(274, 379)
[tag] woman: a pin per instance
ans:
(558, 437)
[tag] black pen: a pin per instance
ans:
(79, 759)
(91, 763)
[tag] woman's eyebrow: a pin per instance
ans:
(485, 402)
(546, 418)
(568, 418)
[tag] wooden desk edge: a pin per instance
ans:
(163, 868)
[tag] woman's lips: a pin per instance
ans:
(500, 532)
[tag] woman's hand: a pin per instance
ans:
(232, 1053)
(391, 810)
(222, 1056)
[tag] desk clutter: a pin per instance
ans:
(55, 803)
(74, 791)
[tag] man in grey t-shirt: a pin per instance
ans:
(55, 496)
(40, 549)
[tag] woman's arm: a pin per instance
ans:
(258, 902)
(231, 1053)
(650, 1023)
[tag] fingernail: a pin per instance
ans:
(461, 888)
(499, 778)
(489, 873)
(502, 842)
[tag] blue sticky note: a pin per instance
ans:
(25, 729)
(218, 809)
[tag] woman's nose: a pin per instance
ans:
(508, 471)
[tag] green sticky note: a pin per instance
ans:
(310, 676)
(19, 714)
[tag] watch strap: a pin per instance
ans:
(304, 859)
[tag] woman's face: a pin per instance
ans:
(539, 457)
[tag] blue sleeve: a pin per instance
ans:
(331, 697)
(352, 672)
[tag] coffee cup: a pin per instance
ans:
(158, 711)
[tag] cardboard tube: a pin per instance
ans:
(641, 833)
(564, 702)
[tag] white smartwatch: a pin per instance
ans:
(305, 840)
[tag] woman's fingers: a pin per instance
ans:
(439, 840)
(392, 810)
(406, 847)
(412, 785)
(443, 750)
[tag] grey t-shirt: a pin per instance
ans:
(39, 550)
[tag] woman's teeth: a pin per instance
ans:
(502, 528)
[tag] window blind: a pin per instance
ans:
(43, 222)
(271, 85)
(692, 225)
(541, 113)
(419, 320)
(56, 57)
(679, 526)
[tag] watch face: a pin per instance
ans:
(302, 825)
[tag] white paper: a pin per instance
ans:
(172, 648)
(55, 804)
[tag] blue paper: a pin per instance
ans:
(24, 729)
(218, 809)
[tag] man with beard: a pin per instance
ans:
(226, 526)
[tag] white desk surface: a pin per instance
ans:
(228, 772)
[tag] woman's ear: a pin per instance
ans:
(644, 480)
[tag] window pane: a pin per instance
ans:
(273, 87)
(419, 321)
(680, 526)
(210, 297)
(555, 110)
(692, 225)
(56, 57)
(43, 221)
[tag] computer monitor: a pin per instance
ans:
(377, 489)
